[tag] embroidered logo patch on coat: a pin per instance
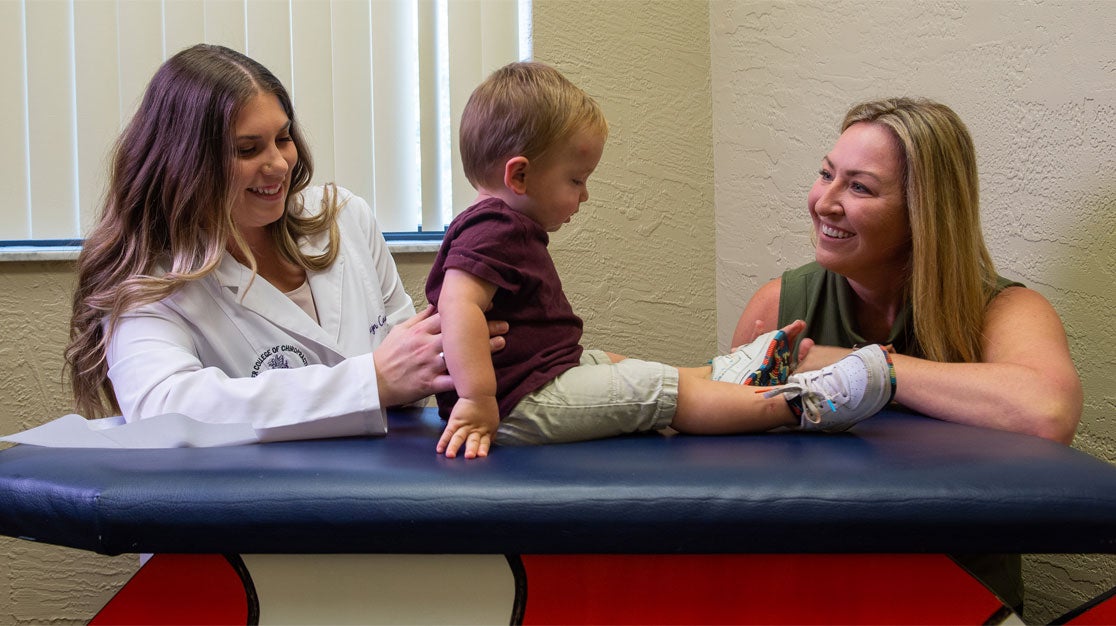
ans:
(279, 358)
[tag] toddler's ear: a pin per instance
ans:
(515, 175)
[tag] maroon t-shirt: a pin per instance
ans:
(508, 249)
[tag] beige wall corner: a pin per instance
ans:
(637, 261)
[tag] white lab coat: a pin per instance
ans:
(220, 351)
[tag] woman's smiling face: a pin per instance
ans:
(858, 204)
(265, 156)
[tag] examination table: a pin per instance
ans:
(775, 527)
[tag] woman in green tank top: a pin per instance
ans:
(900, 260)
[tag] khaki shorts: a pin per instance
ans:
(594, 400)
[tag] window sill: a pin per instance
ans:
(36, 254)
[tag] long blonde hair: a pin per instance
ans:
(952, 276)
(166, 218)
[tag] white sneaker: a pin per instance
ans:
(764, 362)
(838, 396)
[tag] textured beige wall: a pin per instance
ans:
(39, 582)
(637, 261)
(1035, 82)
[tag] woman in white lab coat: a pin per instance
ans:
(217, 284)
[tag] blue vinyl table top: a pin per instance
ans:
(895, 483)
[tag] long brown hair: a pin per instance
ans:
(166, 217)
(952, 275)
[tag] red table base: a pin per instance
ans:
(556, 589)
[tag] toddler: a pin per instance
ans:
(529, 141)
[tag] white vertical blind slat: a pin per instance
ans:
(50, 100)
(184, 22)
(364, 76)
(311, 83)
(139, 49)
(352, 99)
(498, 18)
(464, 33)
(15, 221)
(224, 23)
(395, 116)
(427, 74)
(98, 100)
(269, 36)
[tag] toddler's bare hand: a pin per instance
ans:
(472, 425)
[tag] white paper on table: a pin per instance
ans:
(171, 430)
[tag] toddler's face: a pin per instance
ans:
(557, 182)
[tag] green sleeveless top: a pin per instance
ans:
(824, 300)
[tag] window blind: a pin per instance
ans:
(378, 87)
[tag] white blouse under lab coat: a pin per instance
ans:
(220, 352)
